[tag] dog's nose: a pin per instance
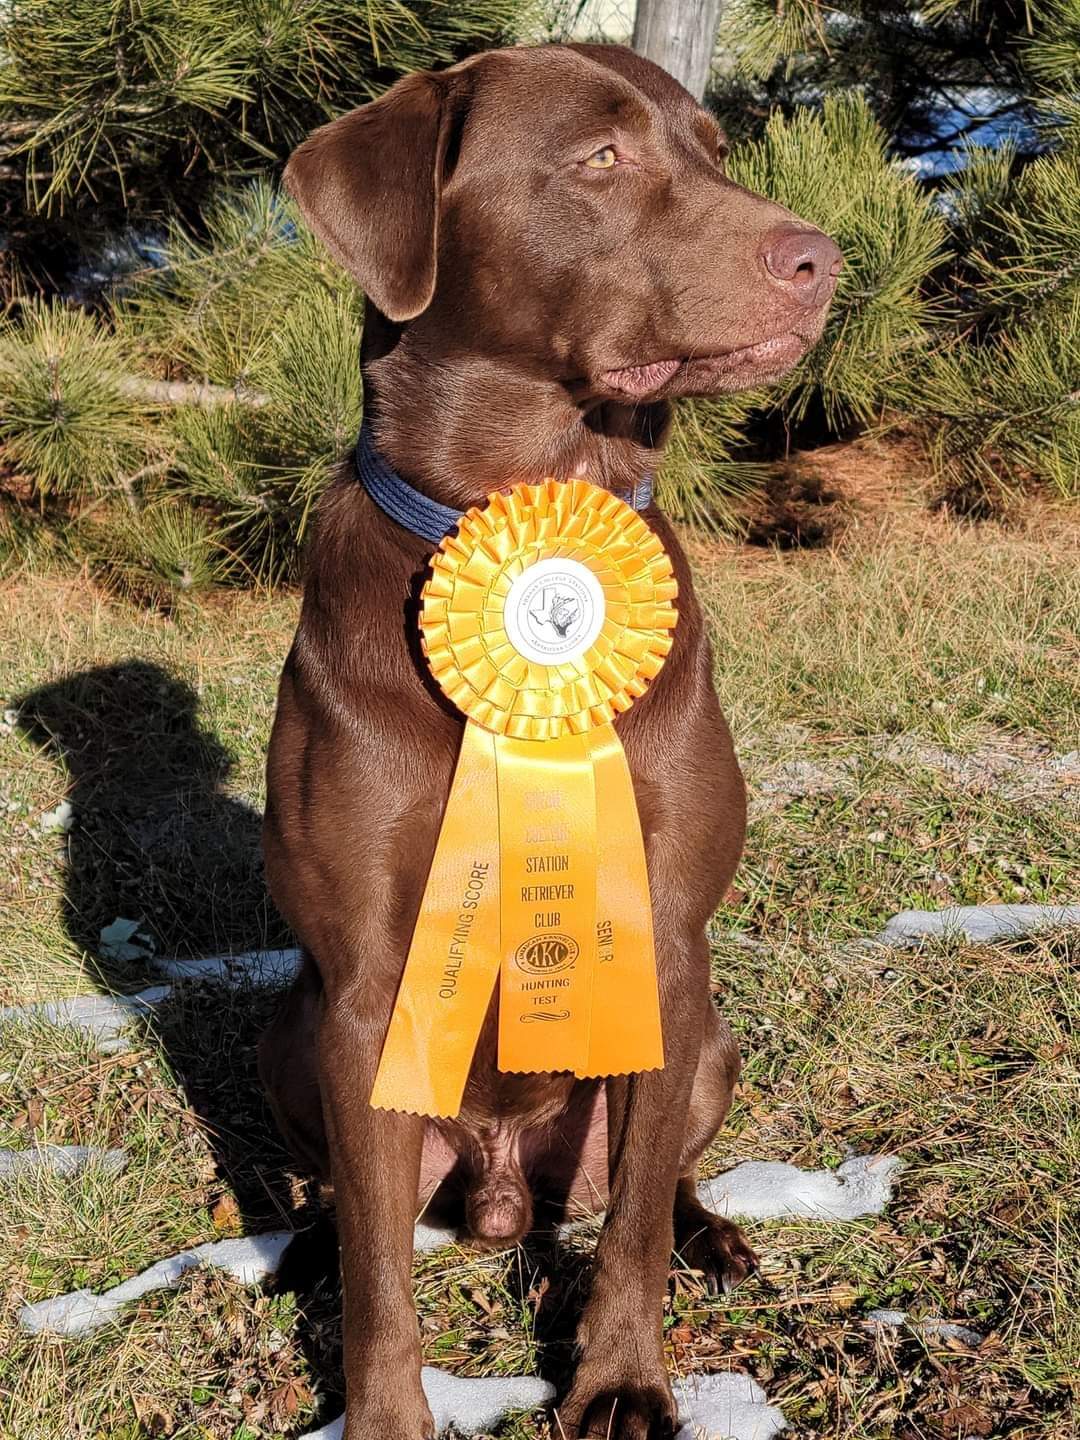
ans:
(804, 262)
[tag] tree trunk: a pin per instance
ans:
(679, 35)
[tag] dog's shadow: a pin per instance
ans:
(156, 839)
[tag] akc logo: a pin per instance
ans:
(546, 954)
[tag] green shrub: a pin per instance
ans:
(67, 419)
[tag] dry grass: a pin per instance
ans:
(962, 1059)
(930, 631)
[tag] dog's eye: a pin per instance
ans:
(603, 159)
(723, 150)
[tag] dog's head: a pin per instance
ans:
(567, 207)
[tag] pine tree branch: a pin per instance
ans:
(12, 172)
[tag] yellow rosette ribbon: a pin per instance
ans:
(547, 613)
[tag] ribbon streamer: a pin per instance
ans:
(546, 615)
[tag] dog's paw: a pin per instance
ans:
(635, 1411)
(716, 1249)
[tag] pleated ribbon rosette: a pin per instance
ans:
(546, 614)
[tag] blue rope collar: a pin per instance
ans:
(416, 511)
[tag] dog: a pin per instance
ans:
(551, 253)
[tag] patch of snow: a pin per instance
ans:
(274, 969)
(932, 1325)
(472, 1406)
(969, 115)
(468, 1406)
(81, 1311)
(727, 1406)
(249, 1260)
(977, 923)
(949, 1330)
(431, 1237)
(771, 1190)
(719, 1407)
(67, 1160)
(103, 1017)
(121, 941)
(58, 821)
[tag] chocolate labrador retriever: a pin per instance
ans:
(551, 252)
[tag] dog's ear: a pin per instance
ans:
(369, 183)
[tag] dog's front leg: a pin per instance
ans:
(621, 1388)
(375, 1161)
